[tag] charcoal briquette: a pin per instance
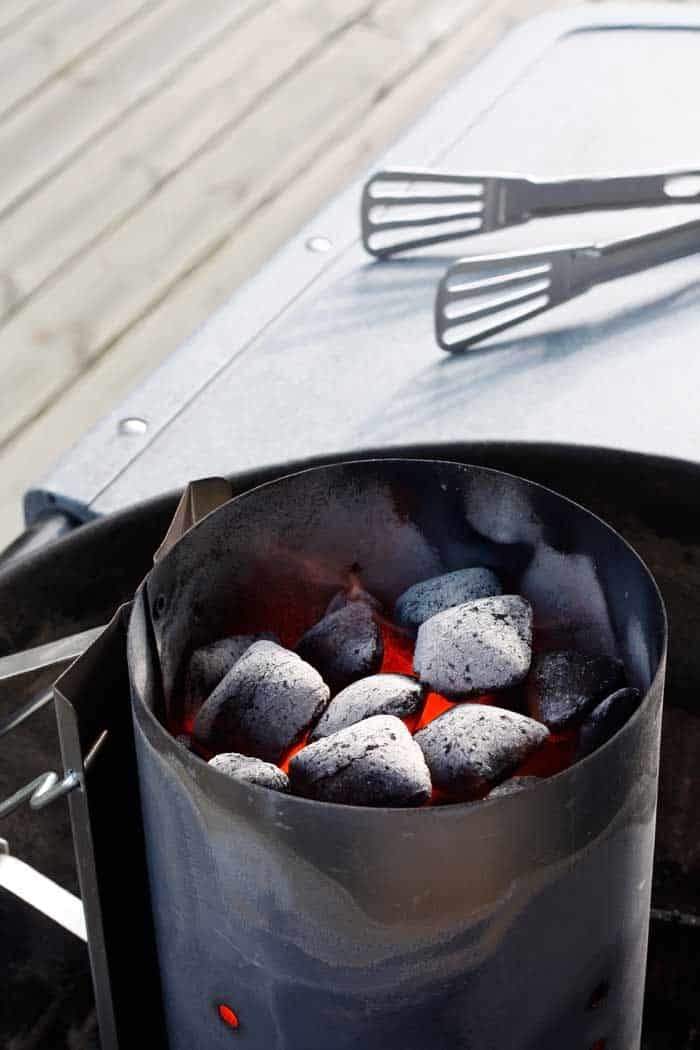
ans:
(344, 646)
(513, 786)
(606, 719)
(565, 685)
(371, 763)
(379, 694)
(210, 663)
(473, 747)
(250, 770)
(265, 704)
(429, 597)
(475, 647)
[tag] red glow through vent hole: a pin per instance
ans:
(228, 1016)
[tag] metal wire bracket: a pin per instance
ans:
(40, 792)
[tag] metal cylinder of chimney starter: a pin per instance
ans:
(518, 923)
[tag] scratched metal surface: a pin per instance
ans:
(327, 352)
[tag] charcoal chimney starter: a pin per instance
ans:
(489, 926)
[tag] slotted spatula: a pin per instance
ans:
(481, 295)
(403, 209)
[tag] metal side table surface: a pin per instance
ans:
(329, 350)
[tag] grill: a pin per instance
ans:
(210, 816)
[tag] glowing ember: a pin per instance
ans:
(398, 651)
(286, 759)
(434, 706)
(556, 754)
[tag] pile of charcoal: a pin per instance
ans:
(472, 713)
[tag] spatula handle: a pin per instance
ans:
(634, 254)
(627, 191)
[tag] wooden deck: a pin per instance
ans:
(155, 152)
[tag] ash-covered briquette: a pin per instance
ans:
(513, 786)
(344, 646)
(209, 664)
(378, 694)
(429, 597)
(372, 763)
(251, 771)
(606, 719)
(475, 647)
(350, 595)
(473, 747)
(565, 685)
(265, 704)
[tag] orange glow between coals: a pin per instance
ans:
(294, 750)
(556, 754)
(398, 651)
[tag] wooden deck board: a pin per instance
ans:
(96, 300)
(56, 37)
(133, 161)
(17, 14)
(100, 294)
(89, 97)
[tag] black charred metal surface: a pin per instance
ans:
(471, 747)
(425, 599)
(345, 928)
(379, 694)
(266, 703)
(652, 501)
(344, 646)
(673, 983)
(565, 686)
(473, 648)
(375, 762)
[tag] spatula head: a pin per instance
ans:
(483, 294)
(402, 210)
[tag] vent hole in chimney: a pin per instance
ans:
(598, 995)
(228, 1016)
(159, 606)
